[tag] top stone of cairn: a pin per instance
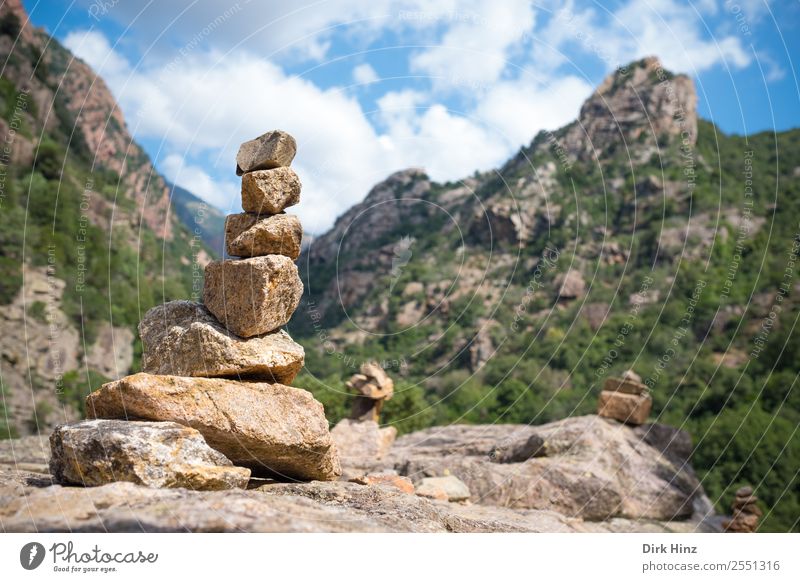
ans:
(274, 149)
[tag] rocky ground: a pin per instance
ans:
(582, 474)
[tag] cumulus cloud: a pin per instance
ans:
(93, 47)
(520, 109)
(475, 48)
(493, 83)
(301, 29)
(446, 144)
(676, 32)
(364, 74)
(210, 104)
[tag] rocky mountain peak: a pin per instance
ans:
(87, 114)
(638, 74)
(396, 184)
(380, 211)
(642, 105)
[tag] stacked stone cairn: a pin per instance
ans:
(625, 399)
(746, 512)
(360, 439)
(211, 407)
(373, 387)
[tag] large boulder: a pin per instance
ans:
(273, 429)
(29, 505)
(270, 150)
(252, 296)
(154, 454)
(182, 338)
(586, 467)
(251, 235)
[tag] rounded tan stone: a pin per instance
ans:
(251, 235)
(270, 191)
(273, 429)
(182, 338)
(270, 150)
(252, 296)
(453, 487)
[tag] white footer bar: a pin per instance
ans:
(407, 557)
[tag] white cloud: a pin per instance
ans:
(674, 31)
(396, 110)
(477, 43)
(301, 29)
(364, 74)
(209, 105)
(95, 49)
(446, 144)
(224, 86)
(223, 195)
(519, 109)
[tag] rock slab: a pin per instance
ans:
(30, 505)
(275, 430)
(153, 454)
(270, 191)
(270, 150)
(585, 467)
(252, 296)
(182, 338)
(251, 235)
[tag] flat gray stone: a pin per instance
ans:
(251, 235)
(182, 338)
(270, 150)
(154, 454)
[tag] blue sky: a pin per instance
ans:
(371, 87)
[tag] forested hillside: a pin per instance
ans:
(636, 237)
(88, 238)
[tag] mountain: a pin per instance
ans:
(89, 237)
(638, 236)
(202, 219)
